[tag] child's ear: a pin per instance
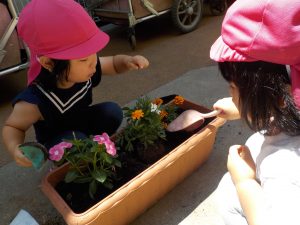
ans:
(46, 62)
(282, 103)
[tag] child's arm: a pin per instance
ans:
(19, 121)
(243, 174)
(122, 63)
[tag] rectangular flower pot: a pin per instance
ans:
(134, 197)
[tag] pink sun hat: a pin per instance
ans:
(58, 29)
(266, 30)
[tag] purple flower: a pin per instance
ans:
(104, 139)
(57, 151)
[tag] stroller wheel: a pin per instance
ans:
(131, 38)
(132, 41)
(186, 14)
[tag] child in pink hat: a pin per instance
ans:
(64, 68)
(259, 38)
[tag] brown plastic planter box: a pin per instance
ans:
(134, 197)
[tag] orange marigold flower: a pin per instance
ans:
(165, 125)
(158, 101)
(178, 100)
(137, 114)
(163, 113)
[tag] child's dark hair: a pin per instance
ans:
(59, 71)
(265, 101)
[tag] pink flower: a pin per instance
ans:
(99, 138)
(110, 148)
(57, 151)
(104, 139)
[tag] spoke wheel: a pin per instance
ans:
(186, 14)
(131, 38)
(132, 41)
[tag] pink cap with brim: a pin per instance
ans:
(58, 29)
(266, 30)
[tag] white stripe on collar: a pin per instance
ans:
(61, 106)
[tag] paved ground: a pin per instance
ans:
(179, 64)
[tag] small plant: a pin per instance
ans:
(146, 122)
(92, 160)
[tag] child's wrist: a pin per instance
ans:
(115, 64)
(241, 184)
(17, 152)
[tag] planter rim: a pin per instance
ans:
(141, 179)
(134, 183)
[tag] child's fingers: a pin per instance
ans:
(133, 66)
(144, 63)
(139, 62)
(235, 151)
(21, 160)
(228, 108)
(240, 163)
(245, 154)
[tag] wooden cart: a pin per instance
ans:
(14, 54)
(186, 14)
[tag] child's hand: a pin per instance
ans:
(117, 64)
(137, 62)
(20, 158)
(229, 110)
(240, 164)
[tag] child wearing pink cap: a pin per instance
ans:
(64, 68)
(259, 38)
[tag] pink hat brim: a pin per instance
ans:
(221, 52)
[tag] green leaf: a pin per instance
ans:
(82, 180)
(92, 189)
(86, 157)
(95, 148)
(108, 158)
(71, 176)
(108, 185)
(117, 163)
(99, 175)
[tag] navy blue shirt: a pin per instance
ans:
(60, 108)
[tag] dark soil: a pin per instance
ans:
(76, 195)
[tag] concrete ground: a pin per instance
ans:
(179, 64)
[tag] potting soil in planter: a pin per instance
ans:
(76, 195)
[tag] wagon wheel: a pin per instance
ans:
(217, 7)
(131, 38)
(132, 41)
(186, 14)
